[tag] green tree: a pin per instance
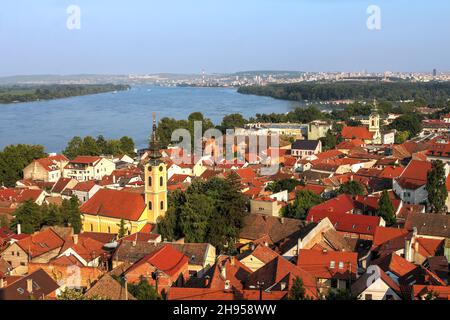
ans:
(90, 147)
(102, 144)
(29, 216)
(284, 184)
(408, 122)
(401, 136)
(74, 148)
(352, 187)
(386, 208)
(70, 211)
(14, 158)
(304, 200)
(52, 215)
(231, 121)
(195, 215)
(127, 146)
(122, 229)
(437, 191)
(143, 291)
(297, 291)
(340, 294)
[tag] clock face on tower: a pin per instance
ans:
(160, 168)
(150, 168)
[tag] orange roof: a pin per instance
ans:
(429, 247)
(385, 234)
(357, 132)
(52, 163)
(442, 292)
(177, 293)
(115, 204)
(415, 174)
(86, 159)
(391, 172)
(328, 264)
(41, 242)
(166, 259)
(84, 186)
(395, 264)
(19, 195)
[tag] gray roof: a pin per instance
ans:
(305, 144)
(437, 225)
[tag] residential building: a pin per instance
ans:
(85, 168)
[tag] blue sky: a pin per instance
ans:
(149, 36)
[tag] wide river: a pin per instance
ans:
(53, 123)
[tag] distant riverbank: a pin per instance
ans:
(30, 93)
(52, 123)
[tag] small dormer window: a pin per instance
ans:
(341, 265)
(332, 264)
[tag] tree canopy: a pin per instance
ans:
(88, 146)
(211, 211)
(437, 191)
(304, 200)
(352, 187)
(33, 217)
(14, 158)
(386, 208)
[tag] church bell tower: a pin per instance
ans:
(155, 180)
(374, 123)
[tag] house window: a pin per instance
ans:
(162, 205)
(149, 181)
(334, 283)
(368, 297)
(18, 253)
(92, 227)
(23, 264)
(161, 181)
(332, 264)
(389, 297)
(109, 229)
(341, 265)
(12, 253)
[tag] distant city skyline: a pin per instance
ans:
(176, 36)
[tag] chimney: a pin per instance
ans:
(408, 250)
(19, 228)
(223, 272)
(30, 285)
(207, 281)
(75, 239)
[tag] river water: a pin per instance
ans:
(53, 123)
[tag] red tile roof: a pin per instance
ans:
(344, 222)
(166, 259)
(115, 204)
(326, 264)
(41, 242)
(442, 292)
(391, 172)
(341, 204)
(429, 247)
(415, 174)
(19, 195)
(60, 185)
(86, 159)
(176, 293)
(395, 264)
(357, 132)
(84, 186)
(385, 234)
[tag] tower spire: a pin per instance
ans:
(155, 154)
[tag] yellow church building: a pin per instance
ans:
(105, 210)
